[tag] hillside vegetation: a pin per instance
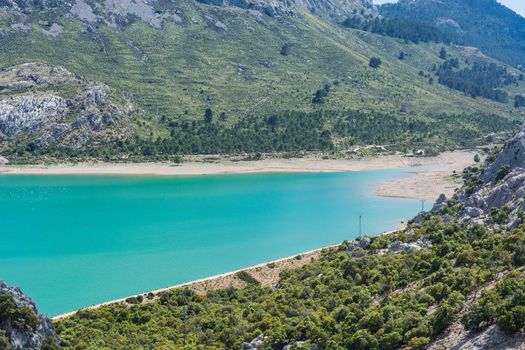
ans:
(202, 78)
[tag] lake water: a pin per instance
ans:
(73, 241)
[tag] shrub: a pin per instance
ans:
(513, 320)
(502, 172)
(246, 277)
(375, 62)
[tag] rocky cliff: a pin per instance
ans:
(21, 328)
(55, 107)
(495, 192)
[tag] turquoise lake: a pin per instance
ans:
(74, 241)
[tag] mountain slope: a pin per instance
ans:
(485, 24)
(256, 70)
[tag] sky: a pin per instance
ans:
(516, 5)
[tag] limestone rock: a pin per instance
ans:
(30, 337)
(26, 115)
(254, 344)
(512, 155)
(363, 243)
(496, 193)
(34, 108)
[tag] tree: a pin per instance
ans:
(285, 49)
(208, 116)
(273, 122)
(477, 159)
(519, 101)
(375, 62)
(502, 172)
(402, 55)
(321, 94)
(513, 320)
(443, 53)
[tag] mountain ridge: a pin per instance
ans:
(486, 24)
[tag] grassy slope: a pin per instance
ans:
(175, 69)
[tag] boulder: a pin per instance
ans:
(363, 243)
(254, 344)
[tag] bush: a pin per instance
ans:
(375, 62)
(246, 277)
(502, 172)
(513, 320)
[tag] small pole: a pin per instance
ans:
(360, 231)
(422, 205)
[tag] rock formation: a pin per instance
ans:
(499, 198)
(34, 107)
(20, 326)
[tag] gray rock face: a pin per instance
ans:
(254, 344)
(398, 247)
(54, 30)
(509, 191)
(491, 338)
(28, 338)
(118, 13)
(363, 243)
(39, 112)
(440, 203)
(26, 115)
(338, 9)
(24, 77)
(512, 155)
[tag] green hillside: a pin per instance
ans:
(246, 66)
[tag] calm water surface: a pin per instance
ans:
(73, 241)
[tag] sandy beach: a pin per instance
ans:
(421, 185)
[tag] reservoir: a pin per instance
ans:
(73, 241)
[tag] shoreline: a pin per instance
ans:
(267, 273)
(422, 184)
(205, 284)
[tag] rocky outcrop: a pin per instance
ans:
(254, 344)
(398, 247)
(33, 75)
(32, 106)
(26, 115)
(491, 338)
(512, 156)
(20, 323)
(499, 198)
(361, 243)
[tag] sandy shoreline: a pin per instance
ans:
(266, 273)
(422, 185)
